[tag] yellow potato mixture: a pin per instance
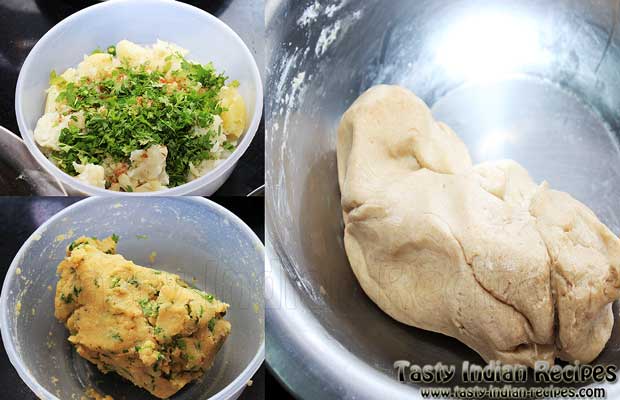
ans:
(148, 326)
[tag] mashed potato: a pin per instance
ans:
(142, 156)
(148, 326)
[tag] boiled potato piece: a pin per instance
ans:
(132, 53)
(70, 75)
(47, 131)
(95, 65)
(234, 119)
(91, 174)
(52, 95)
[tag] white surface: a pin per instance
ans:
(206, 37)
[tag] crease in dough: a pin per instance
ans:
(490, 292)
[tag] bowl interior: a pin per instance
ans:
(192, 238)
(206, 38)
(535, 82)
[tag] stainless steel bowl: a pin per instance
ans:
(20, 174)
(535, 81)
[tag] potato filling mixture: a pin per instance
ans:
(148, 326)
(136, 118)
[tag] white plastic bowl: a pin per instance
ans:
(194, 237)
(141, 21)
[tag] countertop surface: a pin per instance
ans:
(24, 22)
(20, 217)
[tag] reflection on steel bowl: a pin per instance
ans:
(533, 82)
(20, 174)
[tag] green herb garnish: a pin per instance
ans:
(67, 299)
(180, 343)
(211, 324)
(133, 109)
(149, 308)
(115, 282)
(208, 297)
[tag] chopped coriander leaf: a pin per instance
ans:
(115, 282)
(112, 50)
(205, 74)
(149, 308)
(208, 297)
(142, 237)
(117, 337)
(180, 343)
(74, 245)
(229, 146)
(211, 325)
(115, 237)
(134, 108)
(66, 298)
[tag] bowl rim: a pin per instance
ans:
(228, 392)
(189, 187)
